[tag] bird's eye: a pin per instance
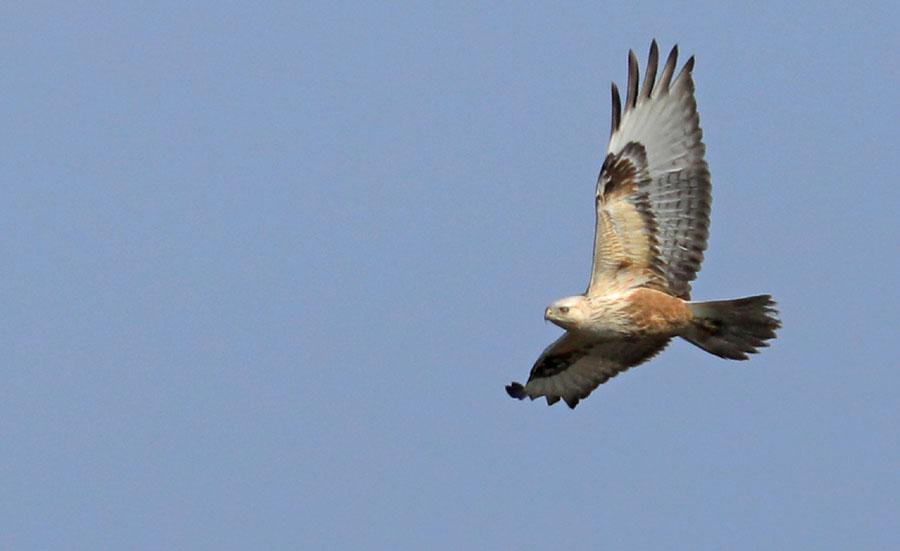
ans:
(564, 309)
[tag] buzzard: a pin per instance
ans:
(653, 202)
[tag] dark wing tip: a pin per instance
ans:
(650, 74)
(516, 390)
(668, 71)
(689, 66)
(633, 78)
(571, 402)
(686, 71)
(616, 117)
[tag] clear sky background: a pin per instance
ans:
(268, 268)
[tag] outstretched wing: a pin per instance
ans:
(572, 367)
(654, 191)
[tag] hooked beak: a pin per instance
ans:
(548, 314)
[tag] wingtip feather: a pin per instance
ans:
(616, 118)
(668, 71)
(633, 78)
(516, 390)
(650, 75)
(685, 73)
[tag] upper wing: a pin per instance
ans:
(572, 367)
(654, 190)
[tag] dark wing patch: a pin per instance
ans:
(554, 364)
(622, 173)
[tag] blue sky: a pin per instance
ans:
(269, 267)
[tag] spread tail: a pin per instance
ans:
(733, 328)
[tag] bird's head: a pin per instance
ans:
(568, 312)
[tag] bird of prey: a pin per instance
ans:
(652, 203)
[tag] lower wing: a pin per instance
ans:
(573, 366)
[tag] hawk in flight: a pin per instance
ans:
(653, 202)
